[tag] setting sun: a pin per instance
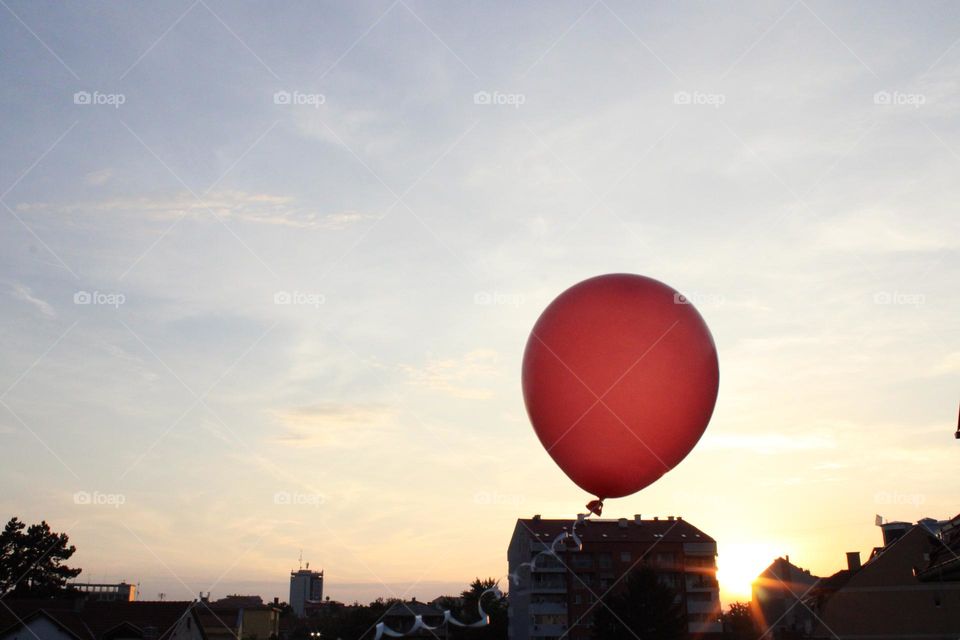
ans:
(738, 564)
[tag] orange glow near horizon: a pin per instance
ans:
(738, 565)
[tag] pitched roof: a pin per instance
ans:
(236, 600)
(944, 560)
(836, 581)
(606, 530)
(69, 621)
(219, 623)
(784, 573)
(413, 608)
(89, 620)
(103, 616)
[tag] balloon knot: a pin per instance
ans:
(595, 506)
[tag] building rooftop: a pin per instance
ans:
(412, 608)
(782, 570)
(944, 563)
(614, 530)
(90, 620)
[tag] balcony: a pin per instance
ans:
(547, 630)
(711, 606)
(547, 567)
(548, 608)
(705, 627)
(701, 583)
(548, 587)
(700, 548)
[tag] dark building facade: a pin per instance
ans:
(908, 588)
(777, 600)
(556, 595)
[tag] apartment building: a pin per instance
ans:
(556, 582)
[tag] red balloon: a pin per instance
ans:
(620, 378)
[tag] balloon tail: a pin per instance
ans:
(595, 506)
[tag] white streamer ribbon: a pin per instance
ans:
(418, 623)
(552, 550)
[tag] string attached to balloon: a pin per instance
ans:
(595, 507)
(650, 342)
(558, 542)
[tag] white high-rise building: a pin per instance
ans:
(306, 589)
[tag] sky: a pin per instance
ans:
(267, 271)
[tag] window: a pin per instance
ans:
(625, 556)
(582, 560)
(549, 618)
(671, 580)
(700, 561)
(700, 617)
(604, 561)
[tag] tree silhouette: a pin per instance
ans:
(30, 561)
(738, 623)
(495, 607)
(645, 608)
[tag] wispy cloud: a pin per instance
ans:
(25, 294)
(258, 208)
(468, 376)
(98, 178)
(768, 443)
(949, 364)
(883, 231)
(334, 424)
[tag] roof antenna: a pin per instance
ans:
(957, 434)
(300, 560)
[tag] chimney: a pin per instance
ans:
(276, 601)
(656, 518)
(853, 560)
(670, 518)
(536, 517)
(637, 519)
(622, 523)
